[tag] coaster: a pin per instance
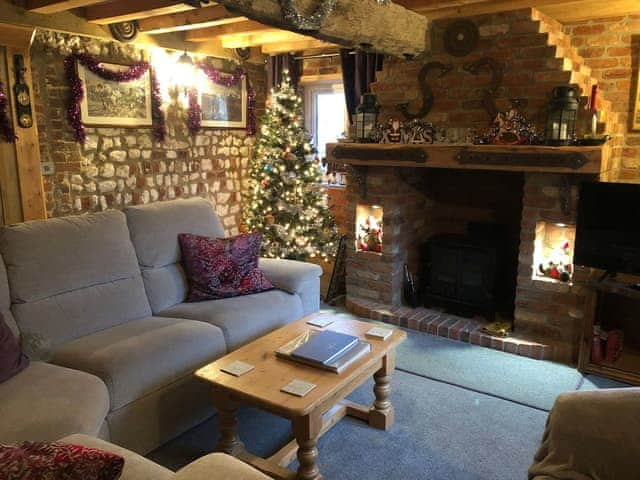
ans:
(299, 388)
(321, 321)
(238, 368)
(379, 333)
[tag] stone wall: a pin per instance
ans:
(611, 47)
(124, 166)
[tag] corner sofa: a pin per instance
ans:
(98, 303)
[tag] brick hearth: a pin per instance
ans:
(443, 324)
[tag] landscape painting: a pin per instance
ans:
(126, 104)
(224, 107)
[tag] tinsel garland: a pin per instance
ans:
(230, 80)
(194, 114)
(5, 124)
(134, 72)
(314, 21)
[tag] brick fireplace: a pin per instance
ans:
(535, 208)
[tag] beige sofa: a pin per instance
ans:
(112, 343)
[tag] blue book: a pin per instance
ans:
(325, 347)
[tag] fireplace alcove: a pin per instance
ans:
(427, 190)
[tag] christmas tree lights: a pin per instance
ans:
(285, 200)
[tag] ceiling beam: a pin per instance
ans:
(253, 40)
(422, 6)
(198, 18)
(204, 34)
(276, 48)
(576, 11)
(390, 29)
(55, 6)
(128, 10)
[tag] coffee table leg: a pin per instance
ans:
(306, 430)
(229, 442)
(381, 414)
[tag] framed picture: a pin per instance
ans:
(224, 107)
(124, 104)
(635, 112)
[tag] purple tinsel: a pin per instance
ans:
(5, 124)
(194, 114)
(134, 72)
(230, 80)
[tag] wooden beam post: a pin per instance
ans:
(27, 147)
(389, 29)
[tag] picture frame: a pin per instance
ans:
(222, 106)
(635, 111)
(111, 103)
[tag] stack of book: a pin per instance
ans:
(329, 350)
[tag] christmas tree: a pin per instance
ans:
(285, 199)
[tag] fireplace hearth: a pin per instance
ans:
(447, 201)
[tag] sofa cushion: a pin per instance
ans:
(245, 318)
(72, 276)
(154, 232)
(136, 467)
(222, 267)
(46, 402)
(225, 467)
(289, 275)
(142, 356)
(5, 300)
(51, 460)
(12, 360)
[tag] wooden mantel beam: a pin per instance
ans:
(390, 29)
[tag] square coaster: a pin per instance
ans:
(321, 321)
(299, 388)
(238, 368)
(379, 333)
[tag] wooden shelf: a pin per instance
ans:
(617, 288)
(518, 158)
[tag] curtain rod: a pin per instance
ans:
(321, 55)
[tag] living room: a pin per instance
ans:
(319, 239)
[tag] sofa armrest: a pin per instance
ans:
(591, 434)
(219, 466)
(289, 275)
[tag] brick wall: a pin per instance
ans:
(321, 66)
(122, 166)
(611, 48)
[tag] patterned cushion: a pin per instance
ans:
(44, 461)
(12, 360)
(222, 267)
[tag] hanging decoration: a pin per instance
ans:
(134, 72)
(5, 123)
(194, 114)
(314, 21)
(230, 80)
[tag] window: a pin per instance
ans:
(325, 113)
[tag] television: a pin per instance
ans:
(608, 227)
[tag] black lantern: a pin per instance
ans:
(561, 116)
(366, 117)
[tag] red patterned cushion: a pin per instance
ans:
(222, 267)
(59, 461)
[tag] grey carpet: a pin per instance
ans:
(441, 432)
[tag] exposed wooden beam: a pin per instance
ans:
(198, 18)
(575, 11)
(423, 6)
(390, 29)
(276, 48)
(268, 36)
(15, 35)
(204, 34)
(55, 6)
(127, 10)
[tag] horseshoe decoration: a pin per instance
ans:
(488, 98)
(427, 94)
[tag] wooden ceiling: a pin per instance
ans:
(201, 22)
(565, 11)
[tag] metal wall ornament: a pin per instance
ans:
(124, 31)
(510, 128)
(311, 22)
(461, 38)
(497, 75)
(428, 97)
(415, 132)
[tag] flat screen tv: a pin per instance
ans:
(608, 227)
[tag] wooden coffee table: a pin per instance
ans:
(312, 415)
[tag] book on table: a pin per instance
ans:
(332, 351)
